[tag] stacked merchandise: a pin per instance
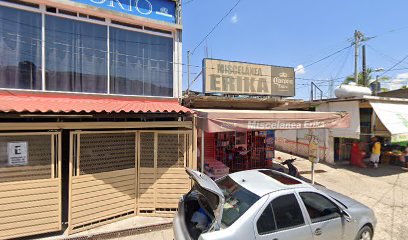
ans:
(215, 169)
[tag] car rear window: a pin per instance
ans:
(237, 200)
(280, 177)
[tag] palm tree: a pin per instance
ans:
(365, 82)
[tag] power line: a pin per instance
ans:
(322, 80)
(187, 2)
(322, 59)
(395, 65)
(389, 58)
(216, 25)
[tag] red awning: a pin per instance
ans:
(66, 103)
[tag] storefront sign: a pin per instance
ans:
(17, 153)
(162, 10)
(247, 79)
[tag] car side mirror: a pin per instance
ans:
(346, 216)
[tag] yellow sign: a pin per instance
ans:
(314, 149)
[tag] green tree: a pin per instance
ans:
(366, 83)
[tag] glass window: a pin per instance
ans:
(141, 64)
(237, 200)
(319, 207)
(287, 212)
(20, 46)
(266, 222)
(76, 56)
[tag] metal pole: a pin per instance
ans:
(313, 172)
(364, 66)
(188, 73)
(202, 150)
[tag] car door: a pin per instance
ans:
(325, 218)
(282, 219)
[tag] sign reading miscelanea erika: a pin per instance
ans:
(241, 78)
(162, 10)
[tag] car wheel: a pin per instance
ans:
(366, 233)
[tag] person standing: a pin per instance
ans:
(375, 152)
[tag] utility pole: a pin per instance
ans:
(331, 88)
(357, 37)
(364, 67)
(188, 72)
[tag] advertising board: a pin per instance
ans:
(241, 78)
(162, 10)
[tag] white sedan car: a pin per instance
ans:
(266, 204)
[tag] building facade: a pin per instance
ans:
(382, 117)
(91, 129)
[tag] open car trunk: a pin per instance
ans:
(202, 206)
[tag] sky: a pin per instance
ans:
(296, 33)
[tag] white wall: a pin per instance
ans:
(353, 108)
(296, 141)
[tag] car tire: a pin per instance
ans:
(366, 233)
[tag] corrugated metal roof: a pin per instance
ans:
(67, 103)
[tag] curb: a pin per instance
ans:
(124, 233)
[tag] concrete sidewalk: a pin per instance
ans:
(131, 228)
(385, 190)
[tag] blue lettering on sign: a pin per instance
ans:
(162, 10)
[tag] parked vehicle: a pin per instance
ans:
(292, 170)
(267, 204)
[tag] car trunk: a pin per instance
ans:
(201, 206)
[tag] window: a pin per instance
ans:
(266, 222)
(287, 212)
(237, 200)
(141, 64)
(73, 55)
(280, 177)
(76, 56)
(319, 207)
(20, 46)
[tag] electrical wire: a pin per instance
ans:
(385, 56)
(395, 65)
(215, 26)
(187, 2)
(326, 57)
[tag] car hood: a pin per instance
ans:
(206, 183)
(344, 200)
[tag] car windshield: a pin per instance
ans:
(237, 200)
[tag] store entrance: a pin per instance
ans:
(227, 152)
(342, 149)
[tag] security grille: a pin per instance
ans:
(30, 183)
(171, 150)
(147, 146)
(106, 152)
(38, 158)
